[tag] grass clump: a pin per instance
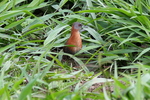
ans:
(113, 63)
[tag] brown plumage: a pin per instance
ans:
(75, 40)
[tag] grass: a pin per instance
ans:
(113, 63)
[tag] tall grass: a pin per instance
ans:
(114, 60)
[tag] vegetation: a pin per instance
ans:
(113, 63)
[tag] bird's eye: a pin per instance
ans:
(80, 25)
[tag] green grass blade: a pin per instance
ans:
(53, 34)
(142, 53)
(8, 46)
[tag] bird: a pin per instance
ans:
(74, 43)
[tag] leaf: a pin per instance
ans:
(86, 19)
(37, 26)
(86, 85)
(40, 20)
(105, 94)
(16, 23)
(27, 89)
(142, 53)
(8, 46)
(3, 5)
(62, 3)
(94, 33)
(89, 4)
(35, 3)
(129, 39)
(6, 65)
(53, 34)
(1, 60)
(108, 59)
(123, 51)
(85, 49)
(10, 14)
(8, 36)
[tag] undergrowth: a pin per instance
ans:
(112, 65)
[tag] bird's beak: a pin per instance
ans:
(83, 28)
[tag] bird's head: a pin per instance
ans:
(77, 25)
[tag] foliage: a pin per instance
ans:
(115, 40)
